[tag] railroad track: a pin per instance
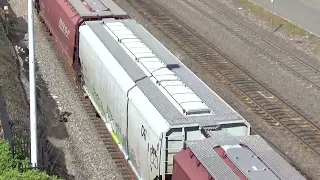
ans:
(266, 48)
(113, 149)
(274, 110)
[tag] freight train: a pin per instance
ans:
(149, 100)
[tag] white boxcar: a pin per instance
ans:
(152, 101)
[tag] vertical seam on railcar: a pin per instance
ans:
(128, 120)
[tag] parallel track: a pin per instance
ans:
(274, 110)
(113, 149)
(266, 48)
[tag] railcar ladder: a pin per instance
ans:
(177, 141)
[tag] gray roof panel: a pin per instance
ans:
(275, 166)
(92, 8)
(249, 164)
(272, 159)
(209, 159)
(222, 112)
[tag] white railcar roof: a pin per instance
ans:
(97, 8)
(177, 93)
(258, 161)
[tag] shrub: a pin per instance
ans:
(11, 174)
(6, 159)
(9, 170)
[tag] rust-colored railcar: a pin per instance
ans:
(63, 18)
(226, 157)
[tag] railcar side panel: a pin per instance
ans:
(186, 166)
(139, 135)
(133, 116)
(106, 81)
(154, 156)
(62, 21)
(144, 135)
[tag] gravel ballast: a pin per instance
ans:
(76, 142)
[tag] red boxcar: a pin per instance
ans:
(223, 156)
(186, 166)
(63, 18)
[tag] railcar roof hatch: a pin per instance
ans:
(173, 87)
(96, 5)
(248, 163)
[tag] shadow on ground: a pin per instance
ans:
(49, 125)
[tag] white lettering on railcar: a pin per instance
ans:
(64, 28)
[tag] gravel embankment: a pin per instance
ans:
(11, 86)
(280, 139)
(76, 142)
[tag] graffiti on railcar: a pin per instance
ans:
(116, 128)
(153, 149)
(143, 133)
(154, 159)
